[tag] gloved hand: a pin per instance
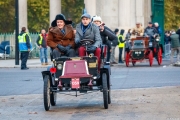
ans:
(61, 48)
(91, 49)
(78, 43)
(68, 47)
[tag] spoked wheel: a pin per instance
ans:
(127, 59)
(151, 58)
(46, 93)
(53, 98)
(109, 89)
(105, 90)
(159, 56)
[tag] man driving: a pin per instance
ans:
(150, 31)
(88, 30)
(138, 30)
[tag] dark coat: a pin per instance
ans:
(174, 40)
(108, 37)
(178, 32)
(55, 37)
(92, 33)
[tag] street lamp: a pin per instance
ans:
(17, 32)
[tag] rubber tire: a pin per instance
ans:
(53, 97)
(109, 89)
(105, 90)
(46, 92)
(127, 59)
(159, 56)
(151, 58)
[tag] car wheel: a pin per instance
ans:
(53, 98)
(105, 90)
(159, 56)
(46, 92)
(150, 58)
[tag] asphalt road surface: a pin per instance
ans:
(14, 81)
(139, 93)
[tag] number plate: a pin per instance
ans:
(75, 83)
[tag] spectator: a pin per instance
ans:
(178, 32)
(175, 45)
(24, 47)
(114, 43)
(167, 37)
(61, 37)
(42, 43)
(121, 45)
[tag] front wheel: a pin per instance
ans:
(46, 92)
(53, 98)
(105, 90)
(159, 56)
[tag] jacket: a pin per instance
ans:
(24, 41)
(108, 35)
(174, 40)
(121, 39)
(55, 37)
(178, 32)
(150, 31)
(41, 41)
(92, 32)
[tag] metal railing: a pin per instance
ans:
(167, 51)
(11, 37)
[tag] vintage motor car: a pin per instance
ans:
(77, 75)
(141, 48)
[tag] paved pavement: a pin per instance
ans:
(35, 63)
(131, 104)
(31, 63)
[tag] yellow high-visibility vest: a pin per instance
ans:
(40, 41)
(121, 45)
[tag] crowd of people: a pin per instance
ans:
(64, 40)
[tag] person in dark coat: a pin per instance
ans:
(24, 47)
(178, 32)
(61, 37)
(175, 45)
(107, 35)
(167, 38)
(114, 43)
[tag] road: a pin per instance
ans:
(17, 82)
(138, 93)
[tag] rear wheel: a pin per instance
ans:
(46, 92)
(151, 58)
(109, 88)
(127, 59)
(105, 90)
(159, 56)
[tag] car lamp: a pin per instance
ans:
(53, 70)
(59, 66)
